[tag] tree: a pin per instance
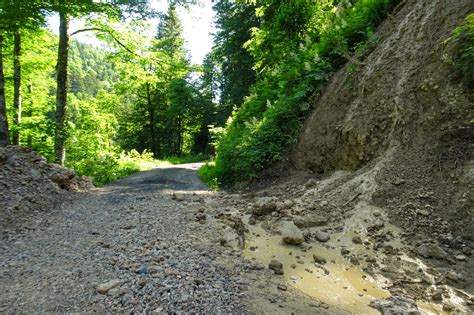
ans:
(235, 20)
(4, 131)
(66, 10)
(14, 16)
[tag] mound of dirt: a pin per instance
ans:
(28, 184)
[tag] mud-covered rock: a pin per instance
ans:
(322, 236)
(430, 250)
(310, 221)
(396, 305)
(276, 266)
(291, 234)
(264, 205)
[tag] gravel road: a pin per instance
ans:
(146, 244)
(135, 231)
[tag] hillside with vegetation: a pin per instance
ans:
(318, 160)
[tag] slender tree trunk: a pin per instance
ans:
(179, 136)
(151, 111)
(4, 134)
(61, 92)
(17, 86)
(29, 139)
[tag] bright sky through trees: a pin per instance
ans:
(197, 24)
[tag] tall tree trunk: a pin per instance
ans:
(29, 113)
(151, 111)
(17, 86)
(180, 136)
(61, 92)
(4, 134)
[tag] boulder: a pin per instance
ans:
(291, 234)
(322, 236)
(395, 305)
(264, 205)
(276, 266)
(429, 250)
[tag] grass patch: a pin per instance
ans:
(191, 158)
(207, 173)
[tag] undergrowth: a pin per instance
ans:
(207, 174)
(464, 61)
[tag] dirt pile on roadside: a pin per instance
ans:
(29, 184)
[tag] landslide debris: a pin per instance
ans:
(384, 164)
(29, 184)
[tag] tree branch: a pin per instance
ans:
(108, 32)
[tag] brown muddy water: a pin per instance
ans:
(337, 283)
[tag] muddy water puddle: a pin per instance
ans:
(337, 283)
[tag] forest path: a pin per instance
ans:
(151, 232)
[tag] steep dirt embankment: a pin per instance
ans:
(402, 125)
(406, 107)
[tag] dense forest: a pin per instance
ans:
(100, 110)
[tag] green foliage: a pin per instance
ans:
(234, 21)
(296, 48)
(464, 60)
(190, 158)
(207, 173)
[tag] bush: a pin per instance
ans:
(464, 60)
(207, 173)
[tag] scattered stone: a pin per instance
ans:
(448, 307)
(127, 226)
(310, 221)
(276, 266)
(264, 205)
(353, 260)
(322, 236)
(128, 299)
(422, 212)
(452, 275)
(357, 240)
(437, 295)
(429, 250)
(396, 305)
(345, 251)
(143, 270)
(282, 286)
(103, 288)
(291, 234)
(319, 259)
(200, 217)
(370, 259)
(460, 257)
(294, 278)
(141, 282)
(252, 221)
